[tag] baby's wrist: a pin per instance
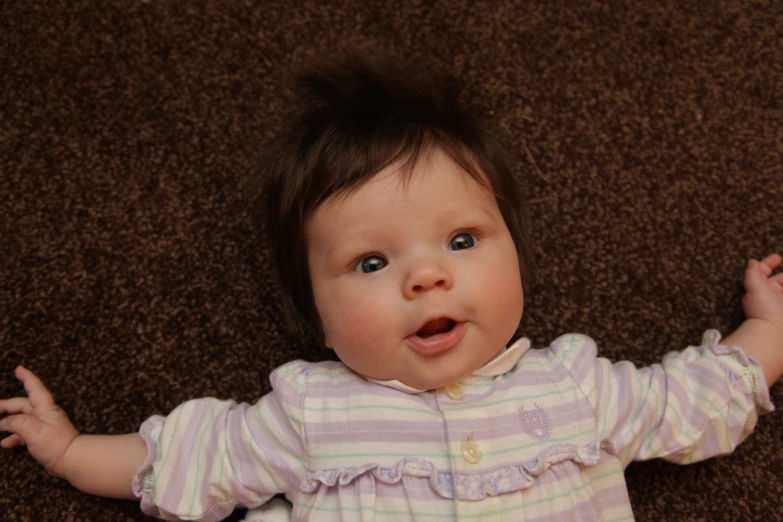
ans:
(65, 466)
(770, 328)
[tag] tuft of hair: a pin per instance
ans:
(353, 116)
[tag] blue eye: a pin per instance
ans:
(370, 264)
(462, 241)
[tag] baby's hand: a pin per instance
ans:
(37, 422)
(764, 291)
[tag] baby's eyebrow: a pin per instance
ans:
(347, 245)
(459, 216)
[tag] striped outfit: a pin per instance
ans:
(546, 437)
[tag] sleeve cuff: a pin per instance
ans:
(143, 481)
(752, 379)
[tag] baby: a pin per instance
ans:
(400, 244)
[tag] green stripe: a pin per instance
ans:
(705, 399)
(589, 394)
(604, 475)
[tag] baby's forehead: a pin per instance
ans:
(397, 177)
(434, 192)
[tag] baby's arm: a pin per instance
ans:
(97, 464)
(761, 334)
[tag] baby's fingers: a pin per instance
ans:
(40, 398)
(11, 441)
(770, 263)
(757, 275)
(25, 427)
(16, 405)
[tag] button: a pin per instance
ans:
(454, 392)
(471, 451)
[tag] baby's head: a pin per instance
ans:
(396, 225)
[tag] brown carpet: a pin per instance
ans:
(648, 137)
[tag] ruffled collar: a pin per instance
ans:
(499, 365)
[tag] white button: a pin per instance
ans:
(454, 392)
(471, 451)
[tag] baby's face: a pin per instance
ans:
(416, 281)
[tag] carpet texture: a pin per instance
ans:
(647, 135)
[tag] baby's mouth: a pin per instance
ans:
(437, 326)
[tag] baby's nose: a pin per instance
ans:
(425, 277)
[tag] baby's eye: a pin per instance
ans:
(462, 241)
(370, 264)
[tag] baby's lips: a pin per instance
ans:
(439, 342)
(436, 326)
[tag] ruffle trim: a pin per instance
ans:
(751, 381)
(142, 482)
(463, 486)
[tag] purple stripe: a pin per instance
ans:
(613, 496)
(737, 425)
(665, 435)
(534, 378)
(244, 483)
(375, 431)
(622, 375)
(208, 457)
(707, 378)
(600, 383)
(292, 439)
(585, 511)
(287, 393)
(269, 455)
(559, 415)
(172, 495)
(652, 415)
(584, 362)
(710, 443)
(406, 431)
(292, 442)
(690, 412)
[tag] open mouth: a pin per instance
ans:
(437, 326)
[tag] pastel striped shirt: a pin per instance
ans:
(548, 439)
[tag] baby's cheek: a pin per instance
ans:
(363, 341)
(504, 290)
(357, 321)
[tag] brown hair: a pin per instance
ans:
(355, 117)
